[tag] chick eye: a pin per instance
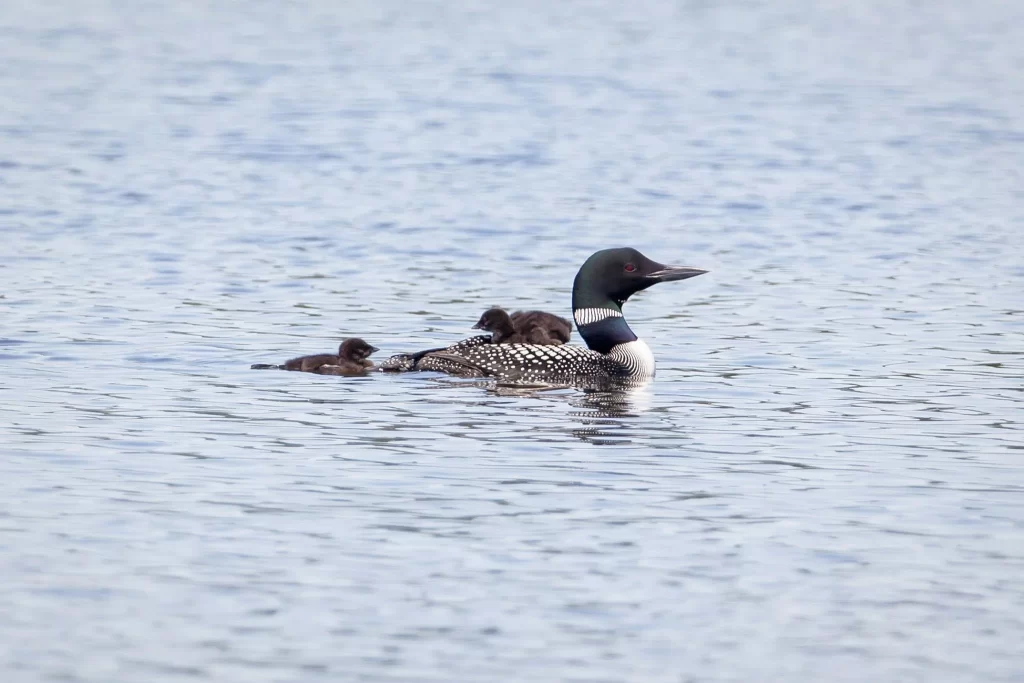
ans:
(630, 268)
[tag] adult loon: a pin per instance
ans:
(351, 359)
(503, 329)
(603, 284)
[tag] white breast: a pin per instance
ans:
(635, 355)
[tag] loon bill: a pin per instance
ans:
(603, 284)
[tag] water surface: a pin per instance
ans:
(824, 482)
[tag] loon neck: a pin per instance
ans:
(598, 315)
(602, 327)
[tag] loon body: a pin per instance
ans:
(352, 359)
(603, 284)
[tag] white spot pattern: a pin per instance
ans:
(536, 363)
(531, 363)
(587, 316)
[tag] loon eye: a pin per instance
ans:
(630, 268)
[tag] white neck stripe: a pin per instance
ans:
(588, 316)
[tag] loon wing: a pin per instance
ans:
(406, 362)
(451, 363)
(530, 363)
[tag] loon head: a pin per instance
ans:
(611, 276)
(355, 349)
(605, 281)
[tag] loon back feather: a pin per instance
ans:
(406, 362)
(537, 363)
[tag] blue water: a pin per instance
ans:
(824, 483)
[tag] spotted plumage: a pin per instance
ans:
(407, 362)
(527, 363)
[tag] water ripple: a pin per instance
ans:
(824, 481)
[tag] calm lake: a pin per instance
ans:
(824, 483)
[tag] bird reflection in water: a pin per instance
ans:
(603, 412)
(606, 413)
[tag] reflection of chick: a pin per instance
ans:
(504, 331)
(352, 359)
